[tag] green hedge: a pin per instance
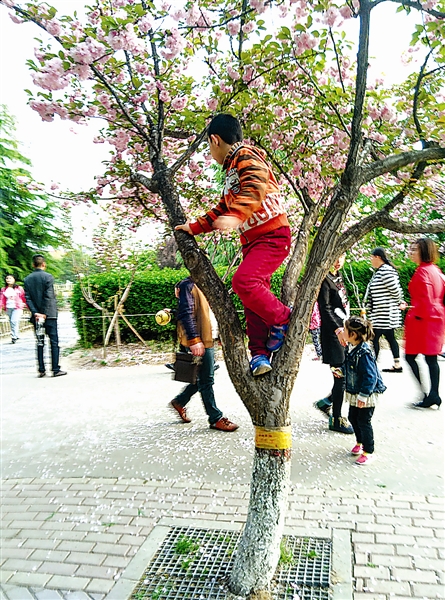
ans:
(153, 290)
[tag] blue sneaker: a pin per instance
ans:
(259, 365)
(276, 337)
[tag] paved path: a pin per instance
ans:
(92, 461)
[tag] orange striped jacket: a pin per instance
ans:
(250, 193)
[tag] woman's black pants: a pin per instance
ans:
(389, 334)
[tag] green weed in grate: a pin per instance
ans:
(194, 564)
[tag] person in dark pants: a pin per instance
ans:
(384, 300)
(195, 333)
(425, 321)
(334, 309)
(363, 384)
(41, 301)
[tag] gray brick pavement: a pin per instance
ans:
(78, 552)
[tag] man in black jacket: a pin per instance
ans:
(41, 300)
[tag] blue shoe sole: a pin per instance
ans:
(261, 370)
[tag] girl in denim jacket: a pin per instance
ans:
(363, 384)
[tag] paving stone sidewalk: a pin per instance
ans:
(72, 538)
(93, 461)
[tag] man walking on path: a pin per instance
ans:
(195, 332)
(41, 300)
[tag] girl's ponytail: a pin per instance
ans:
(361, 327)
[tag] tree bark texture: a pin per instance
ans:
(259, 549)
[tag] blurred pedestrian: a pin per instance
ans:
(195, 332)
(315, 329)
(384, 302)
(41, 300)
(425, 320)
(12, 301)
(334, 310)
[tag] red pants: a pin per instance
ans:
(261, 258)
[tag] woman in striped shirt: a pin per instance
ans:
(384, 301)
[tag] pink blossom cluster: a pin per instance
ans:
(193, 15)
(87, 52)
(52, 76)
(178, 14)
(53, 27)
(120, 3)
(331, 16)
(15, 19)
(248, 74)
(126, 39)
(212, 104)
(346, 12)
(120, 139)
(174, 44)
(233, 73)
(146, 23)
(195, 170)
(233, 27)
(369, 190)
(248, 27)
(226, 89)
(304, 41)
(259, 6)
(179, 103)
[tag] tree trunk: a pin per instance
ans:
(259, 549)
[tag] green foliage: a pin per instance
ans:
(186, 545)
(286, 555)
(153, 290)
(30, 222)
(72, 263)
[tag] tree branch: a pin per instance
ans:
(377, 219)
(331, 104)
(383, 219)
(392, 224)
(188, 153)
(416, 98)
(337, 58)
(302, 194)
(360, 89)
(289, 284)
(177, 134)
(397, 161)
(413, 4)
(150, 184)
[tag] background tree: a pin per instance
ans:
(73, 262)
(343, 147)
(30, 221)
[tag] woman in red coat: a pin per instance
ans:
(425, 321)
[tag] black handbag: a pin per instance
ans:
(186, 367)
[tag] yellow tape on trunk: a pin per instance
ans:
(273, 438)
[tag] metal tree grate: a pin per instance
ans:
(193, 564)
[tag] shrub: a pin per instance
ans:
(153, 290)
